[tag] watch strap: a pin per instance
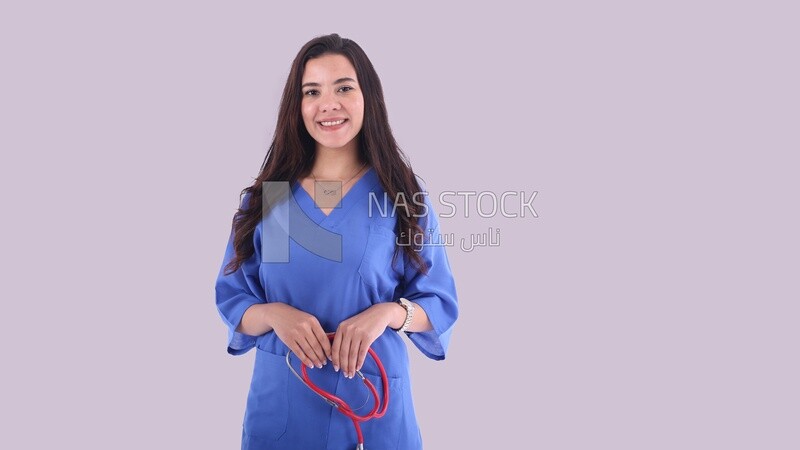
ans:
(409, 307)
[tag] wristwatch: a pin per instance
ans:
(409, 307)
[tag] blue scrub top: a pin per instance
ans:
(282, 413)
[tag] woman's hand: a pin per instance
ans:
(301, 332)
(355, 335)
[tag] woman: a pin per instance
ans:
(343, 247)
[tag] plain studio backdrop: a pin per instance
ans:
(652, 304)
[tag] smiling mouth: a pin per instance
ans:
(332, 123)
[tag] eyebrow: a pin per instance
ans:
(340, 80)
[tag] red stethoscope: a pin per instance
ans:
(340, 404)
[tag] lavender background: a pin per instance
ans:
(653, 304)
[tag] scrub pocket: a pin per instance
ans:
(379, 434)
(376, 266)
(267, 402)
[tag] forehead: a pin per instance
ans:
(328, 68)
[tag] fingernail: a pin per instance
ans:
(310, 366)
(329, 358)
(319, 366)
(336, 368)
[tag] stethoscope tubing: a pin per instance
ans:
(342, 405)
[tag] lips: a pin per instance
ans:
(332, 124)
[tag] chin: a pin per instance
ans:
(337, 144)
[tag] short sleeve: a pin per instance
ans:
(434, 292)
(238, 291)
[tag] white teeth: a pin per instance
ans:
(330, 124)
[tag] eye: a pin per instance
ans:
(311, 92)
(345, 88)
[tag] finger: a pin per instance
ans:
(344, 354)
(317, 355)
(362, 355)
(335, 349)
(307, 352)
(324, 343)
(298, 351)
(355, 345)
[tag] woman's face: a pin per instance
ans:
(333, 105)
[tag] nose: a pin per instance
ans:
(329, 102)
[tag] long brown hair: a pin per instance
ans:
(292, 151)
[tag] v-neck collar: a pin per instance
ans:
(314, 212)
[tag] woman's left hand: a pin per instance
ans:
(355, 335)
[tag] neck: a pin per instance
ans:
(336, 163)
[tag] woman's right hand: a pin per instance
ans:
(301, 332)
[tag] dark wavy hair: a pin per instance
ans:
(291, 154)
